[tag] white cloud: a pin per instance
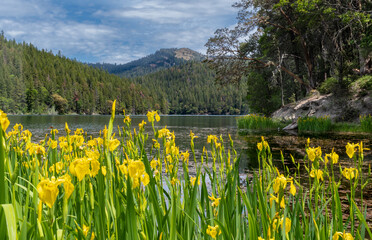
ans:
(113, 31)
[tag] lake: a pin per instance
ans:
(203, 126)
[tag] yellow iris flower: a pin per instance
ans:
(350, 173)
(4, 122)
(213, 231)
(350, 149)
(280, 182)
(216, 201)
(317, 173)
(113, 144)
(333, 156)
(343, 235)
(48, 190)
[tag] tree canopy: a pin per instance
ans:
(291, 46)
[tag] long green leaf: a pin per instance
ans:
(10, 220)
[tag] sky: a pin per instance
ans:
(114, 31)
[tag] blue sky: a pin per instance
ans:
(114, 31)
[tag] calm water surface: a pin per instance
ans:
(203, 126)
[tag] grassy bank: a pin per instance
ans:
(306, 124)
(258, 122)
(72, 186)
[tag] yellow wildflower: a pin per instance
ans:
(153, 115)
(259, 146)
(288, 224)
(350, 149)
(126, 120)
(333, 156)
(95, 165)
(163, 132)
(48, 190)
(350, 173)
(141, 125)
(185, 156)
(193, 180)
(174, 181)
(280, 182)
(311, 153)
(67, 129)
(68, 186)
(317, 173)
(54, 131)
(192, 135)
(4, 122)
(136, 170)
(113, 144)
(154, 164)
(282, 202)
(213, 231)
(80, 167)
(343, 235)
(52, 143)
(216, 201)
(155, 143)
(211, 138)
(103, 170)
(292, 189)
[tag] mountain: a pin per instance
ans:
(161, 59)
(190, 89)
(39, 82)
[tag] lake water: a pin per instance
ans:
(203, 126)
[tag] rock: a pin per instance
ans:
(336, 107)
(291, 126)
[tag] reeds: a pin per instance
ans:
(366, 123)
(314, 124)
(257, 122)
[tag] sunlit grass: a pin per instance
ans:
(314, 124)
(72, 186)
(258, 122)
(366, 123)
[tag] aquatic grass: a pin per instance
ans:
(258, 122)
(366, 123)
(314, 124)
(112, 187)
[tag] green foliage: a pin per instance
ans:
(107, 188)
(257, 122)
(314, 124)
(363, 83)
(298, 43)
(366, 123)
(328, 86)
(37, 81)
(190, 89)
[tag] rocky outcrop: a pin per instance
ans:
(338, 108)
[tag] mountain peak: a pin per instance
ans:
(161, 59)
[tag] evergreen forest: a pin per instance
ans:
(36, 81)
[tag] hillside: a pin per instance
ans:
(161, 59)
(190, 89)
(39, 82)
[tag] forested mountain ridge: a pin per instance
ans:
(190, 89)
(39, 82)
(36, 81)
(161, 59)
